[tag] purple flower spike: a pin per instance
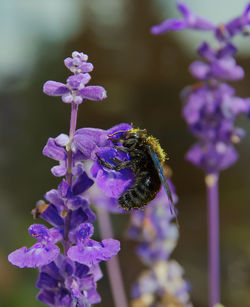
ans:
(75, 90)
(210, 110)
(42, 253)
(157, 236)
(63, 280)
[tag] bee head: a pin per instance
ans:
(138, 133)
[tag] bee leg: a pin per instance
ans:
(117, 161)
(117, 167)
(121, 148)
(123, 165)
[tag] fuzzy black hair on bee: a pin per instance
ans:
(146, 161)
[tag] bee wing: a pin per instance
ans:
(163, 180)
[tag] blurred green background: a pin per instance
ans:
(143, 75)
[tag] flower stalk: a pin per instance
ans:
(113, 266)
(73, 120)
(211, 181)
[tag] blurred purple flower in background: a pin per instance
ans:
(69, 279)
(210, 110)
(162, 284)
(211, 106)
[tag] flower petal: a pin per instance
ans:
(53, 151)
(53, 88)
(47, 297)
(82, 184)
(59, 170)
(62, 139)
(45, 280)
(35, 256)
(54, 197)
(52, 216)
(93, 92)
(95, 252)
(169, 25)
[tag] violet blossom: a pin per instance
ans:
(69, 278)
(162, 283)
(210, 106)
(210, 110)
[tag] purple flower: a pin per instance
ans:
(225, 69)
(164, 283)
(219, 64)
(153, 229)
(211, 112)
(88, 251)
(41, 253)
(56, 149)
(68, 276)
(190, 21)
(212, 157)
(67, 283)
(223, 32)
(211, 107)
(90, 142)
(75, 89)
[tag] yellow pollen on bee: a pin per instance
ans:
(153, 142)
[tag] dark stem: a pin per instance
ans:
(213, 238)
(113, 267)
(73, 119)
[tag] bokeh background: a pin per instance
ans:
(143, 75)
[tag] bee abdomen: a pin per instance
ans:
(141, 192)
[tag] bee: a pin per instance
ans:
(146, 161)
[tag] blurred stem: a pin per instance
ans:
(213, 238)
(113, 266)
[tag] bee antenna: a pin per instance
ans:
(112, 134)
